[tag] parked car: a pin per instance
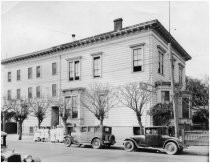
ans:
(8, 155)
(157, 137)
(97, 136)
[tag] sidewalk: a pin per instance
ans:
(191, 150)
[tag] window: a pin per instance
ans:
(165, 97)
(136, 130)
(72, 106)
(137, 59)
(38, 73)
(30, 73)
(18, 74)
(180, 75)
(54, 91)
(30, 92)
(74, 70)
(160, 63)
(54, 68)
(83, 129)
(18, 93)
(185, 108)
(9, 95)
(96, 66)
(38, 93)
(9, 76)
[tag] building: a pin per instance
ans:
(131, 54)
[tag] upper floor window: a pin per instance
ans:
(38, 71)
(180, 75)
(54, 68)
(54, 91)
(18, 93)
(30, 73)
(18, 74)
(137, 59)
(160, 62)
(165, 97)
(30, 92)
(9, 76)
(74, 70)
(38, 92)
(9, 95)
(97, 66)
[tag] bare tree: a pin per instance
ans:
(38, 108)
(21, 112)
(135, 96)
(64, 113)
(99, 99)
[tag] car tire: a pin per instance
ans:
(96, 143)
(67, 141)
(171, 148)
(129, 146)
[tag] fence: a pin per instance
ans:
(196, 138)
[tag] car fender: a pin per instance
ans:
(172, 140)
(131, 139)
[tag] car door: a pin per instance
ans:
(90, 133)
(152, 137)
(83, 136)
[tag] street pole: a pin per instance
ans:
(172, 93)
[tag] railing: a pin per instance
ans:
(196, 137)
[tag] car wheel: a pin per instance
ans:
(96, 143)
(67, 142)
(129, 146)
(171, 148)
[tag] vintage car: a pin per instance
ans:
(9, 155)
(97, 136)
(157, 137)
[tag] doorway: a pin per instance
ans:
(55, 116)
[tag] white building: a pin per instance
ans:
(131, 54)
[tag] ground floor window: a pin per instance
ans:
(72, 106)
(185, 107)
(165, 97)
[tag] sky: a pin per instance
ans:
(28, 26)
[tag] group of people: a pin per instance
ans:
(55, 134)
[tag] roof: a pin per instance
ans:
(153, 25)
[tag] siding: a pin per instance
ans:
(116, 70)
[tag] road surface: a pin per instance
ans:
(50, 152)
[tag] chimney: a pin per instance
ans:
(118, 24)
(73, 37)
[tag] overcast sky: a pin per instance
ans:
(31, 26)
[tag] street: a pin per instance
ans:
(49, 152)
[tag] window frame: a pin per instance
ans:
(9, 76)
(18, 75)
(160, 62)
(37, 72)
(97, 55)
(54, 69)
(69, 102)
(9, 94)
(136, 47)
(38, 91)
(161, 94)
(181, 70)
(30, 89)
(30, 76)
(54, 95)
(72, 75)
(18, 93)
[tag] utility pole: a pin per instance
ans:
(172, 93)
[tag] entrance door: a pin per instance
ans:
(55, 116)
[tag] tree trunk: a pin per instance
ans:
(138, 115)
(65, 125)
(4, 121)
(101, 121)
(20, 130)
(39, 124)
